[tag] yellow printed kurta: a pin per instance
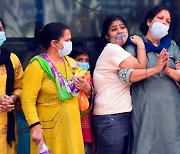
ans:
(18, 72)
(60, 120)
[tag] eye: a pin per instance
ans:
(168, 21)
(114, 29)
(123, 27)
(160, 18)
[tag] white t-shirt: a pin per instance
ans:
(112, 94)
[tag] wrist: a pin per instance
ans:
(88, 91)
(35, 125)
(14, 97)
(156, 70)
(140, 45)
(141, 48)
(168, 71)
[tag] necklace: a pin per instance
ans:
(66, 89)
(65, 70)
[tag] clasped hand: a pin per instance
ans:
(163, 59)
(82, 84)
(6, 103)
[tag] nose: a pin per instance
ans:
(119, 31)
(165, 22)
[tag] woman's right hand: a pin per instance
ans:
(6, 103)
(162, 60)
(37, 135)
(137, 41)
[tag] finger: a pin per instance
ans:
(81, 79)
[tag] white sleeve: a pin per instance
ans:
(116, 54)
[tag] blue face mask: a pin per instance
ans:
(84, 66)
(2, 38)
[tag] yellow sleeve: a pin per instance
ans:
(32, 80)
(18, 73)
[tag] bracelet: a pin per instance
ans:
(89, 92)
(146, 73)
(167, 73)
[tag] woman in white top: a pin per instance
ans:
(113, 105)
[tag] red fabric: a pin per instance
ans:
(86, 124)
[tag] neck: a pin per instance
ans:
(54, 56)
(150, 38)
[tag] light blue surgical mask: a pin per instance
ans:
(120, 37)
(159, 30)
(84, 66)
(2, 38)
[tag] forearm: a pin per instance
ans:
(141, 56)
(174, 74)
(140, 74)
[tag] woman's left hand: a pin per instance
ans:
(82, 84)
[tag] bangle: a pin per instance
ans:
(146, 73)
(167, 73)
(90, 90)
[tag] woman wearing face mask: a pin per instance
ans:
(113, 106)
(10, 88)
(49, 96)
(156, 100)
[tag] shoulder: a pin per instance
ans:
(15, 60)
(71, 61)
(173, 43)
(173, 47)
(14, 57)
(113, 46)
(33, 66)
(114, 49)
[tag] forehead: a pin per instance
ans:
(83, 56)
(67, 32)
(164, 13)
(66, 35)
(116, 23)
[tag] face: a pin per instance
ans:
(162, 17)
(1, 27)
(117, 27)
(66, 37)
(82, 58)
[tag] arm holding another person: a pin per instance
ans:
(134, 75)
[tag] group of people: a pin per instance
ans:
(136, 80)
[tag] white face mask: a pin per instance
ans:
(159, 30)
(67, 48)
(2, 38)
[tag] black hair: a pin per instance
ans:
(79, 48)
(106, 24)
(150, 15)
(3, 24)
(51, 31)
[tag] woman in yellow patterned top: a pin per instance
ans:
(10, 87)
(51, 84)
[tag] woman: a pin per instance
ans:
(49, 95)
(112, 109)
(10, 82)
(156, 100)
